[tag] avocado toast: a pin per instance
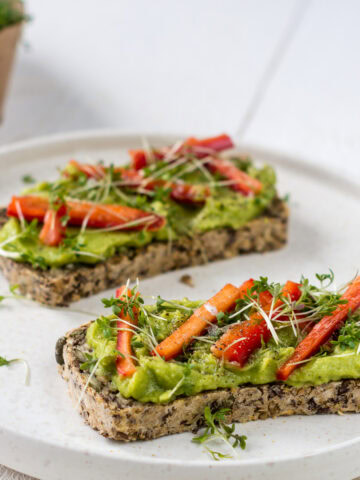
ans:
(261, 350)
(169, 208)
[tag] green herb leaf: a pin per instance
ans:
(286, 198)
(325, 276)
(10, 15)
(35, 261)
(161, 194)
(106, 328)
(90, 363)
(28, 179)
(217, 428)
(3, 361)
(64, 220)
(349, 334)
(126, 304)
(14, 288)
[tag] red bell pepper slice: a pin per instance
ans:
(180, 192)
(322, 331)
(190, 194)
(291, 291)
(199, 321)
(199, 148)
(208, 146)
(99, 171)
(241, 340)
(53, 231)
(91, 171)
(97, 215)
(242, 182)
(139, 158)
(125, 364)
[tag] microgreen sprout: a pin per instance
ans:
(215, 429)
(28, 179)
(349, 334)
(126, 304)
(13, 293)
(89, 363)
(7, 363)
(162, 303)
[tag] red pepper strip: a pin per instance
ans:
(139, 158)
(200, 320)
(180, 192)
(124, 363)
(207, 146)
(241, 340)
(97, 215)
(242, 182)
(99, 171)
(53, 231)
(291, 291)
(322, 331)
(91, 171)
(106, 216)
(191, 194)
(200, 148)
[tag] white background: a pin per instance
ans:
(282, 74)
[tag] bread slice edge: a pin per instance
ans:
(128, 420)
(61, 286)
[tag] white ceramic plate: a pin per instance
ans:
(42, 435)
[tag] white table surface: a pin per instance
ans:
(283, 74)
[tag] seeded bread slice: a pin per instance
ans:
(61, 286)
(128, 420)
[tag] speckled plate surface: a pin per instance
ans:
(42, 435)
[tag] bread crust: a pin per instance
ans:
(61, 286)
(128, 420)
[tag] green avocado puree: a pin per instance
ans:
(159, 381)
(223, 209)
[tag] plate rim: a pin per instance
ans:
(277, 157)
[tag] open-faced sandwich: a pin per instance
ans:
(260, 350)
(171, 207)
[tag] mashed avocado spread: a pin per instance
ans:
(224, 208)
(197, 370)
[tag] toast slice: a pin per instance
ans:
(61, 286)
(129, 420)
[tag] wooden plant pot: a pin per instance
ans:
(9, 38)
